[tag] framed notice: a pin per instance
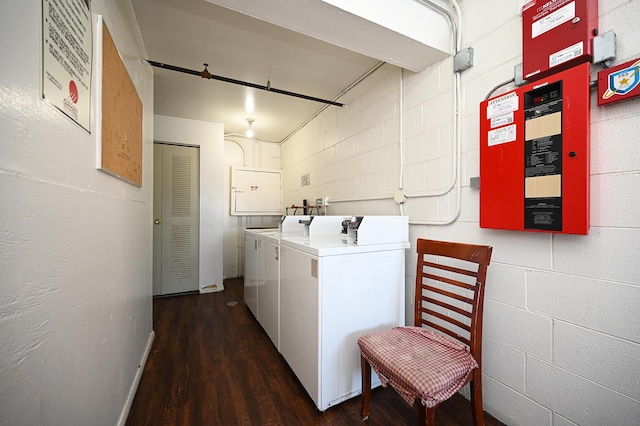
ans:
(67, 58)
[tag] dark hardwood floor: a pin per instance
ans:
(212, 364)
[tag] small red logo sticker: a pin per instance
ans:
(73, 92)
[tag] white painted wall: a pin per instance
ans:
(75, 243)
(407, 17)
(209, 138)
(242, 151)
(375, 28)
(562, 324)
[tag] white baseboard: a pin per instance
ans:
(213, 288)
(136, 381)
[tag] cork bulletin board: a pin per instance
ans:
(121, 128)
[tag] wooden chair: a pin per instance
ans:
(429, 362)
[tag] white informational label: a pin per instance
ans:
(502, 120)
(566, 54)
(502, 105)
(502, 135)
(553, 20)
(67, 58)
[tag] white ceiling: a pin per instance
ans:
(188, 33)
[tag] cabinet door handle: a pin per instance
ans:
(276, 250)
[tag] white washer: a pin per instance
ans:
(262, 273)
(331, 293)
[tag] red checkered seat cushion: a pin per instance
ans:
(418, 363)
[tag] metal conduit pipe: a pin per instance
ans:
(401, 141)
(257, 142)
(351, 86)
(456, 130)
(206, 74)
(457, 137)
(244, 154)
(455, 155)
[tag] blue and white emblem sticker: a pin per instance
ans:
(619, 83)
(623, 81)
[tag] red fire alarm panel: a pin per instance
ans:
(534, 156)
(556, 35)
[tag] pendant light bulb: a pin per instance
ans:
(249, 129)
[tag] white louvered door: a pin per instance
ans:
(176, 208)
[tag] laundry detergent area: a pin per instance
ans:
(317, 283)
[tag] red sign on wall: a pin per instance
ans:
(556, 35)
(619, 83)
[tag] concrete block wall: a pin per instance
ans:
(350, 150)
(562, 324)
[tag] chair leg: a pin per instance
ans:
(426, 416)
(366, 388)
(476, 398)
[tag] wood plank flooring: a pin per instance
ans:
(212, 364)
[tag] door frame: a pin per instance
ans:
(157, 214)
(209, 137)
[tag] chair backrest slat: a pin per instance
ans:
(448, 294)
(449, 291)
(453, 334)
(450, 281)
(442, 316)
(447, 306)
(450, 269)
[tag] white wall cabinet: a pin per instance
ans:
(256, 191)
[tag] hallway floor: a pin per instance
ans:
(212, 364)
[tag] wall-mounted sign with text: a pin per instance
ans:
(67, 58)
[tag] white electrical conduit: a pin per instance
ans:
(457, 145)
(351, 86)
(244, 154)
(401, 124)
(349, 200)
